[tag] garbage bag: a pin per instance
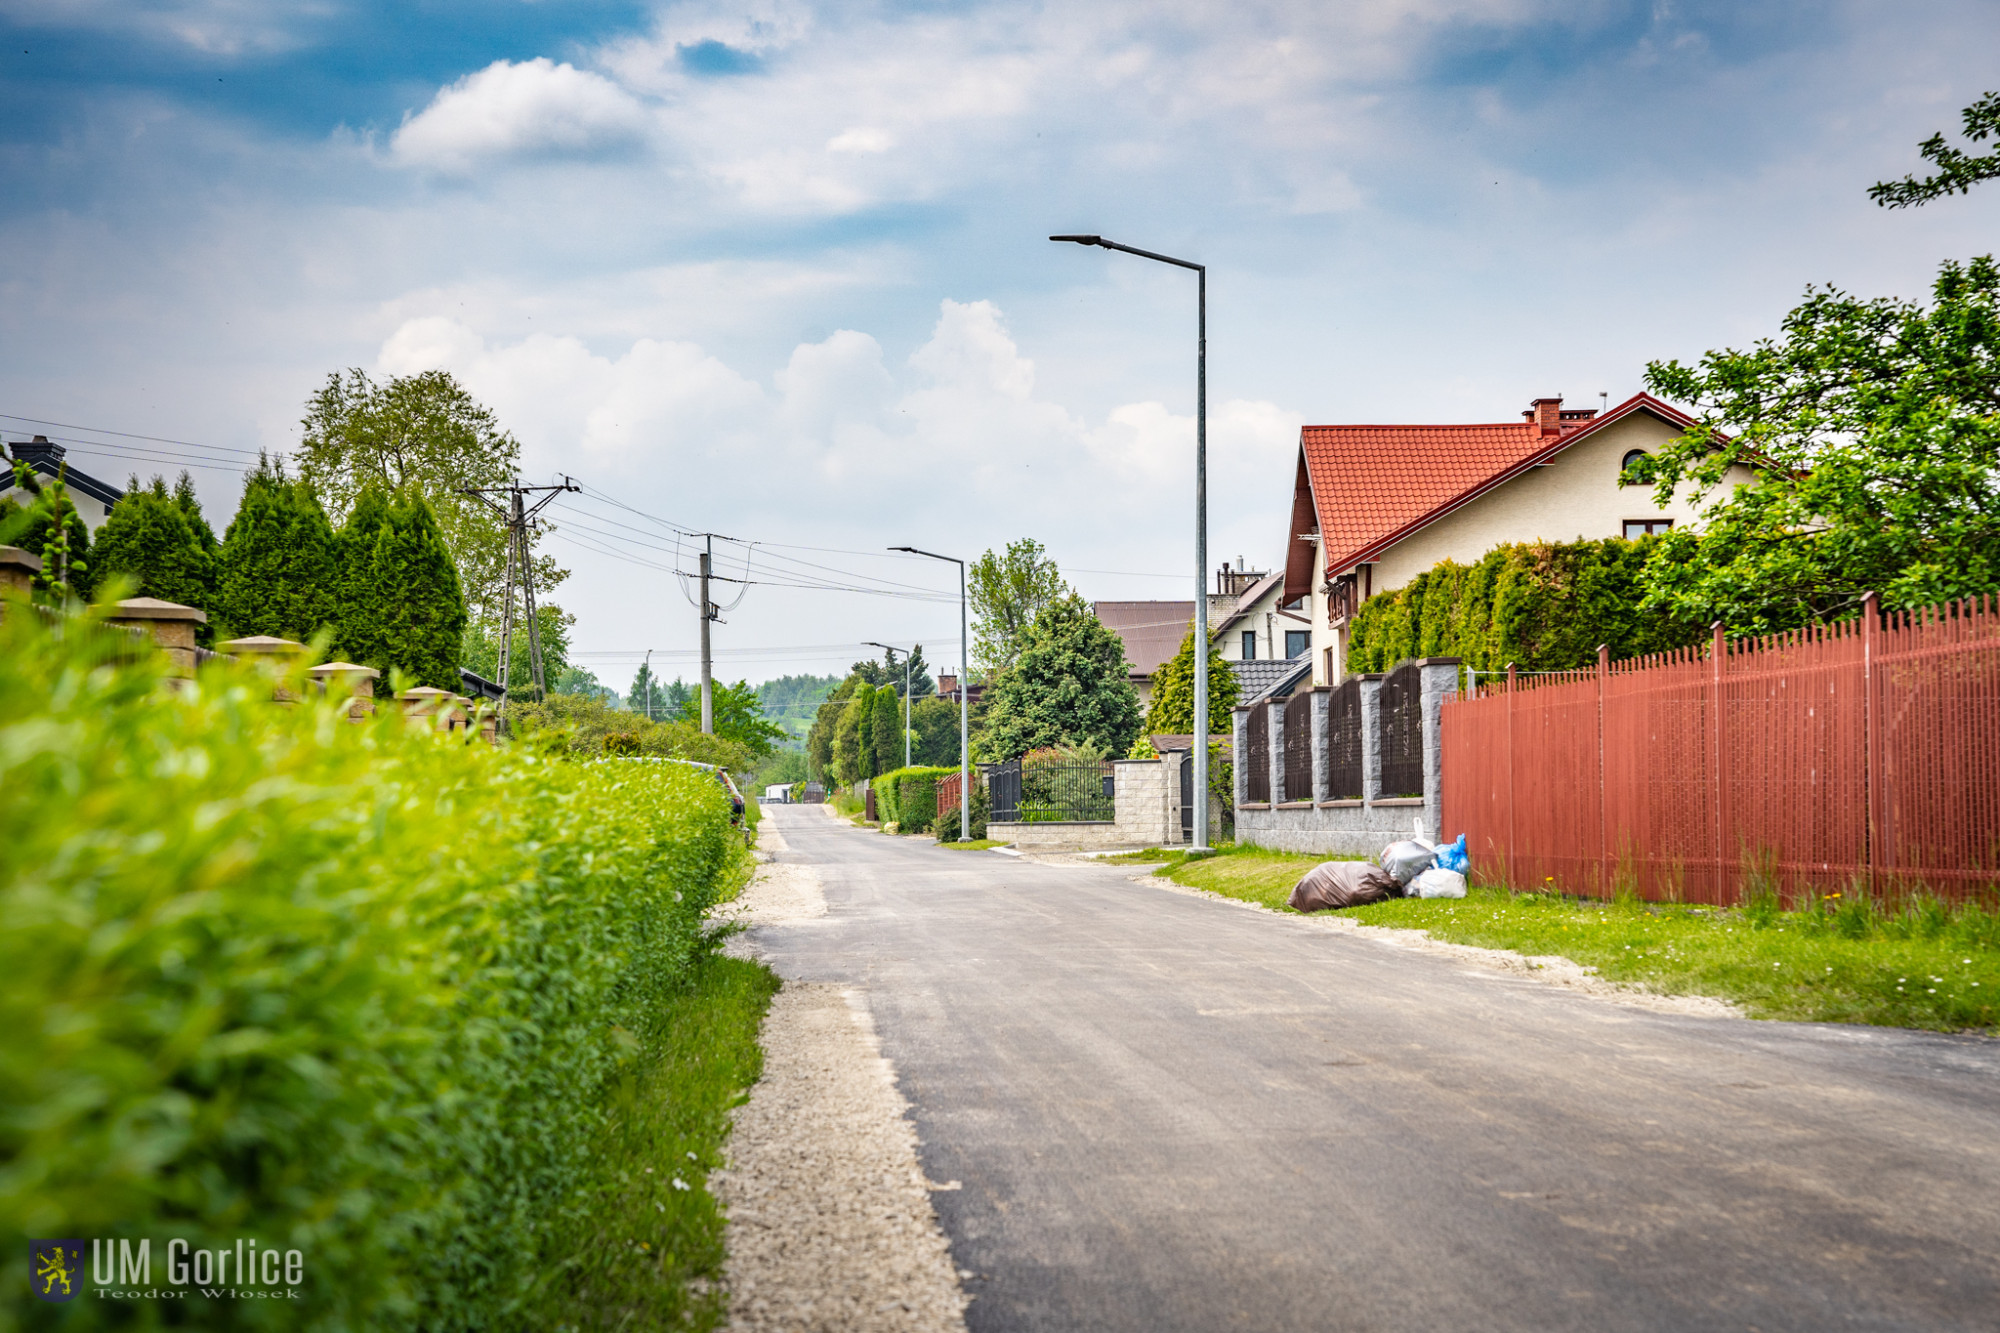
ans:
(1405, 860)
(1454, 857)
(1437, 883)
(1332, 885)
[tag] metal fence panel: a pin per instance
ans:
(1298, 747)
(1257, 782)
(1805, 761)
(1343, 741)
(1401, 731)
(1045, 790)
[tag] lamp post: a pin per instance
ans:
(906, 693)
(1200, 522)
(964, 709)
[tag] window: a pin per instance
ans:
(1249, 645)
(1631, 457)
(1297, 643)
(1645, 527)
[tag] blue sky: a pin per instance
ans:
(777, 269)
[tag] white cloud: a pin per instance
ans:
(533, 108)
(214, 27)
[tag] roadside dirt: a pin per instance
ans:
(829, 1221)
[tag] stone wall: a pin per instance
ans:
(1308, 821)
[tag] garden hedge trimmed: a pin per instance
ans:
(357, 991)
(908, 796)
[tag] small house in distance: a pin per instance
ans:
(1373, 506)
(93, 498)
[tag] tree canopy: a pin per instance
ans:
(147, 537)
(277, 560)
(1171, 709)
(1957, 171)
(737, 716)
(1067, 686)
(1006, 593)
(421, 433)
(1873, 429)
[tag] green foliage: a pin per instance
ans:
(1958, 171)
(1171, 711)
(365, 991)
(820, 738)
(1006, 593)
(1067, 687)
(935, 722)
(358, 627)
(49, 526)
(575, 680)
(736, 715)
(887, 729)
(1542, 606)
(580, 725)
(979, 811)
(1873, 426)
(853, 748)
(417, 602)
(908, 796)
(479, 651)
(793, 701)
(147, 537)
(421, 434)
(277, 569)
(782, 768)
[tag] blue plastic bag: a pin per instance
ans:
(1454, 857)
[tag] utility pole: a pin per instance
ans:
(519, 516)
(707, 670)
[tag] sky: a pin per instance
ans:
(779, 271)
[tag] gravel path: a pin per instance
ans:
(830, 1225)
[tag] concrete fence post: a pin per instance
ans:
(1239, 778)
(1371, 733)
(1274, 718)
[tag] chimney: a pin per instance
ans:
(1546, 413)
(947, 685)
(39, 450)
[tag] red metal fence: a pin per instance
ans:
(1863, 750)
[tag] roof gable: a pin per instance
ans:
(1372, 486)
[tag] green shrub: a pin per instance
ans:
(908, 796)
(361, 991)
(1542, 606)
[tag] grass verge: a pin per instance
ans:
(1919, 964)
(653, 1254)
(975, 845)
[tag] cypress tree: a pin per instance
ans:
(1171, 711)
(190, 507)
(415, 586)
(358, 611)
(277, 561)
(147, 536)
(887, 732)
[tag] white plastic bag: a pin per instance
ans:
(1437, 883)
(1405, 860)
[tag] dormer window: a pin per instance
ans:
(1632, 456)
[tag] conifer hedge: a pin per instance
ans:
(1542, 606)
(359, 991)
(908, 796)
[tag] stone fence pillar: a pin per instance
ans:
(170, 625)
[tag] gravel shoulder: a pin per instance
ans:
(829, 1218)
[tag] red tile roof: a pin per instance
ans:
(1152, 631)
(1374, 485)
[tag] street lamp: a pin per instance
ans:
(964, 709)
(1200, 523)
(906, 693)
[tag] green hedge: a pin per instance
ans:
(360, 991)
(1539, 605)
(908, 796)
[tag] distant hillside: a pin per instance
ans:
(791, 701)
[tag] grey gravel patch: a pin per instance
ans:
(1551, 970)
(829, 1220)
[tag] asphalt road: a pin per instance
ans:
(1171, 1113)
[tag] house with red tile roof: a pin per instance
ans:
(1373, 506)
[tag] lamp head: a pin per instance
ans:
(1080, 240)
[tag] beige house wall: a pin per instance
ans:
(1575, 497)
(1263, 617)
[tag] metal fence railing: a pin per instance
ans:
(1257, 756)
(1299, 747)
(1401, 731)
(1867, 750)
(1045, 790)
(1343, 741)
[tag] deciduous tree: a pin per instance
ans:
(1007, 592)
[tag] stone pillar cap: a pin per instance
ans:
(152, 608)
(426, 692)
(344, 669)
(14, 555)
(263, 643)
